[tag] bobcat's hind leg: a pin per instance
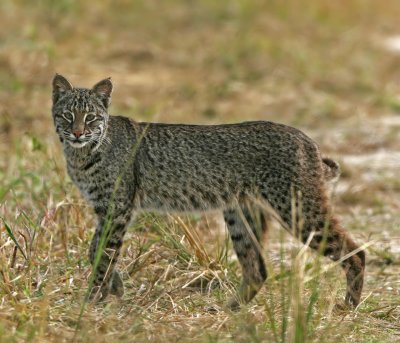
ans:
(312, 213)
(246, 226)
(336, 243)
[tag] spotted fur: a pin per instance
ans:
(122, 167)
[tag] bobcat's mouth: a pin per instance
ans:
(77, 144)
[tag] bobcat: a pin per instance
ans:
(122, 167)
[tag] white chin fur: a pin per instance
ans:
(77, 144)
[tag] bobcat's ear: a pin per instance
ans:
(60, 85)
(103, 89)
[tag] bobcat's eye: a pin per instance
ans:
(68, 116)
(90, 117)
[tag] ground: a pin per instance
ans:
(330, 68)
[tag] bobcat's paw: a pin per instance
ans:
(342, 307)
(98, 294)
(232, 304)
(117, 286)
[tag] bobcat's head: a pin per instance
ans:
(80, 114)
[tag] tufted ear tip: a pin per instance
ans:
(60, 85)
(103, 88)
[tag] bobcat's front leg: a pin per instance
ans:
(104, 252)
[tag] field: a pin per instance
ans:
(330, 68)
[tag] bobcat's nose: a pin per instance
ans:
(77, 133)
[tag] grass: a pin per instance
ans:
(319, 66)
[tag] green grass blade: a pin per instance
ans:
(11, 234)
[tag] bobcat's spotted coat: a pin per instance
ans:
(122, 167)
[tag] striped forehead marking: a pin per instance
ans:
(81, 102)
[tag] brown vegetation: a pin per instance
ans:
(322, 66)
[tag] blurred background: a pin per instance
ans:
(312, 64)
(330, 68)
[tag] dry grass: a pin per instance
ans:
(318, 65)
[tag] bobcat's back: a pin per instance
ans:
(189, 167)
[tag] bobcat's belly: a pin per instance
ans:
(180, 204)
(186, 197)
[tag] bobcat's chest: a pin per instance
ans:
(92, 179)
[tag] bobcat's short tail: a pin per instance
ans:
(331, 169)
